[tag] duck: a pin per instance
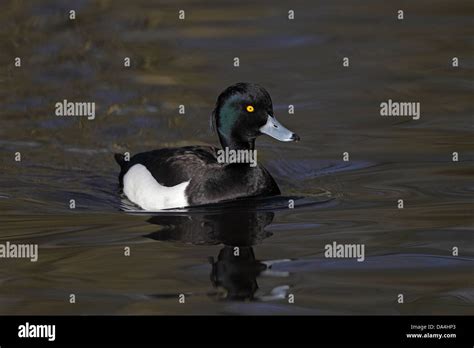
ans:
(188, 176)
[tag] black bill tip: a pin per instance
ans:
(295, 137)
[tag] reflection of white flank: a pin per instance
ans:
(142, 189)
(278, 293)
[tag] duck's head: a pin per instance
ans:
(243, 112)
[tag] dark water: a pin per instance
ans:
(189, 62)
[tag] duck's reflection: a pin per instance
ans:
(235, 269)
(237, 228)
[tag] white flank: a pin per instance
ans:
(141, 188)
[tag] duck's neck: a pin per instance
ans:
(234, 144)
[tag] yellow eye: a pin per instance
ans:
(250, 108)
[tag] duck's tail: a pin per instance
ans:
(120, 159)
